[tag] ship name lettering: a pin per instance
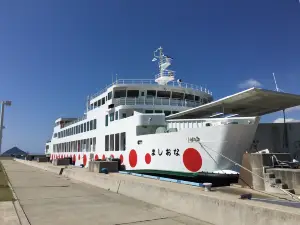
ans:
(168, 152)
(193, 139)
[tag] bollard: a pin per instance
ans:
(207, 186)
(104, 170)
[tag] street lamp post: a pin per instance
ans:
(3, 103)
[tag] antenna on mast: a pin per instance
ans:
(277, 89)
(164, 62)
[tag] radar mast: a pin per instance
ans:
(164, 62)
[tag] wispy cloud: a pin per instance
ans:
(287, 120)
(293, 109)
(250, 83)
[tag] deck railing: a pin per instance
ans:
(75, 121)
(152, 82)
(155, 101)
(146, 101)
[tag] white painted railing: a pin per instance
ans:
(152, 82)
(75, 121)
(155, 101)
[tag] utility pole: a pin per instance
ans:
(3, 103)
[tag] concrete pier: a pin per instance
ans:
(219, 207)
(48, 198)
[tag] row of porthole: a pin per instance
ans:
(191, 158)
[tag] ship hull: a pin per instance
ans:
(188, 151)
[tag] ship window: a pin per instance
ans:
(99, 102)
(111, 117)
(95, 124)
(81, 128)
(151, 93)
(109, 95)
(167, 113)
(123, 141)
(84, 145)
(106, 142)
(88, 148)
(94, 144)
(148, 111)
(142, 93)
(91, 125)
(117, 115)
(111, 142)
(158, 111)
(123, 115)
(95, 105)
(177, 95)
(88, 126)
(189, 97)
(117, 142)
(84, 127)
(133, 93)
(106, 120)
(103, 101)
(163, 94)
(120, 94)
(92, 106)
(197, 98)
(76, 129)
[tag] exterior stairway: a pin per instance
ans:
(273, 184)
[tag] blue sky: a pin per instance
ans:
(55, 53)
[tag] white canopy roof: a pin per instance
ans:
(251, 102)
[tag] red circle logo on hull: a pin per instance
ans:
(148, 158)
(84, 160)
(192, 159)
(132, 158)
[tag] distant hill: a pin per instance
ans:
(13, 151)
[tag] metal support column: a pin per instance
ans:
(3, 103)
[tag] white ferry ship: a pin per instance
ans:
(164, 125)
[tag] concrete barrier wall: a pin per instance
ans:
(95, 179)
(212, 207)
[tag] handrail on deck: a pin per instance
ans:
(151, 81)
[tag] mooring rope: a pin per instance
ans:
(235, 163)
